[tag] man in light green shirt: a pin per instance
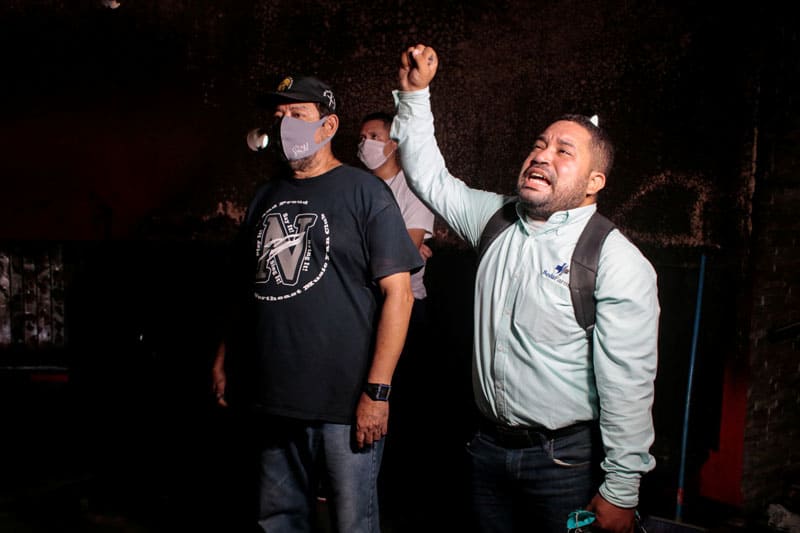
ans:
(541, 385)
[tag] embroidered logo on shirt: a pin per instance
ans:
(556, 274)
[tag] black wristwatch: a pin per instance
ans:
(379, 392)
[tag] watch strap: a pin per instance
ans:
(378, 392)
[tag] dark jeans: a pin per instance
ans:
(531, 488)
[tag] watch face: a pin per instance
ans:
(383, 392)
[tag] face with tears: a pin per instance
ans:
(561, 172)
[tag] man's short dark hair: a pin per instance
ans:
(384, 117)
(601, 142)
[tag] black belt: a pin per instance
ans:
(527, 436)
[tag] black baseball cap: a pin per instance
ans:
(300, 89)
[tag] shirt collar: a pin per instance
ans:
(558, 220)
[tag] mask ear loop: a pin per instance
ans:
(390, 154)
(333, 128)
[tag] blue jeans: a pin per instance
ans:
(293, 455)
(532, 488)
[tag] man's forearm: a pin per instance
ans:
(391, 334)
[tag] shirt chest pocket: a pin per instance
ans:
(543, 311)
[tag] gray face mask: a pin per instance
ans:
(297, 138)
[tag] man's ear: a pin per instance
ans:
(330, 126)
(597, 180)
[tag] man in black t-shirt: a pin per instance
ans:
(329, 300)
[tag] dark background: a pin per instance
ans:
(123, 162)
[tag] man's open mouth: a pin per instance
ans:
(537, 176)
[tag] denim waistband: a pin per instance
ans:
(527, 436)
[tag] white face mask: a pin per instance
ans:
(370, 152)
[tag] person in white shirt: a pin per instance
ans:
(548, 393)
(379, 154)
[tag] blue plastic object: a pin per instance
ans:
(581, 520)
(578, 520)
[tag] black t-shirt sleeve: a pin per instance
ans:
(391, 250)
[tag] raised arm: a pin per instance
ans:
(465, 210)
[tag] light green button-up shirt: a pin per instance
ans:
(532, 363)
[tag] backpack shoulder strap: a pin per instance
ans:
(500, 220)
(583, 269)
(583, 266)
